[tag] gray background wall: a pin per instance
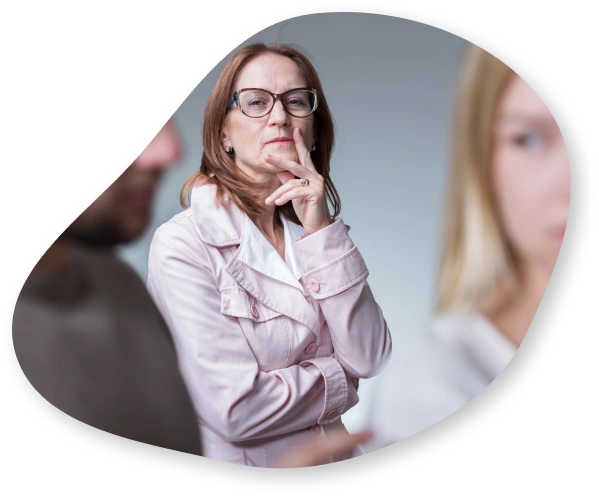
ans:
(390, 85)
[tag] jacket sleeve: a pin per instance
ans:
(336, 278)
(231, 396)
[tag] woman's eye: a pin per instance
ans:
(529, 141)
(256, 102)
(296, 102)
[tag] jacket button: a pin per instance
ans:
(254, 310)
(311, 348)
(333, 413)
(314, 285)
(315, 429)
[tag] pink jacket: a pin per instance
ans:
(267, 362)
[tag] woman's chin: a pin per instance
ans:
(270, 169)
(285, 154)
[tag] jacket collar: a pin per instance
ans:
(228, 225)
(220, 226)
(257, 252)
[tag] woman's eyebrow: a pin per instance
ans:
(522, 118)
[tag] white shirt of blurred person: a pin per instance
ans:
(90, 339)
(509, 193)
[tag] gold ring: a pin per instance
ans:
(304, 182)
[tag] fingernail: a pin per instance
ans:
(267, 199)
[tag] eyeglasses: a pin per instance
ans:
(256, 102)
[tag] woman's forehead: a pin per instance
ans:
(520, 99)
(275, 73)
(521, 107)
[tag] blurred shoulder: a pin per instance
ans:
(103, 263)
(451, 326)
(445, 339)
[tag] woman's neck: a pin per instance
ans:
(270, 225)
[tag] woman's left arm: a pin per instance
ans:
(336, 277)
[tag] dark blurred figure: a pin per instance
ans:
(86, 332)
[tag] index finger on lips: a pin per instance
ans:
(291, 166)
(302, 150)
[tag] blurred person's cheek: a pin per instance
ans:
(531, 179)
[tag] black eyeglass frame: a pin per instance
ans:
(275, 97)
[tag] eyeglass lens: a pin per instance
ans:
(257, 103)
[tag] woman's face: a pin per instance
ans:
(531, 176)
(253, 137)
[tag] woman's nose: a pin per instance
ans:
(278, 115)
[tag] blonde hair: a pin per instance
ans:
(478, 270)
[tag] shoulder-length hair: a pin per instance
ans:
(219, 168)
(478, 269)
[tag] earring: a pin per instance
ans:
(313, 148)
(228, 149)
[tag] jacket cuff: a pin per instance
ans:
(323, 246)
(340, 394)
(336, 276)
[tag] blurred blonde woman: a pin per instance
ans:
(506, 212)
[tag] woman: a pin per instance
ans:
(507, 207)
(262, 288)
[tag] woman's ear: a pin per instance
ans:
(224, 138)
(226, 142)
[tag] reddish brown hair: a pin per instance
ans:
(219, 168)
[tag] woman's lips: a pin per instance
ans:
(280, 141)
